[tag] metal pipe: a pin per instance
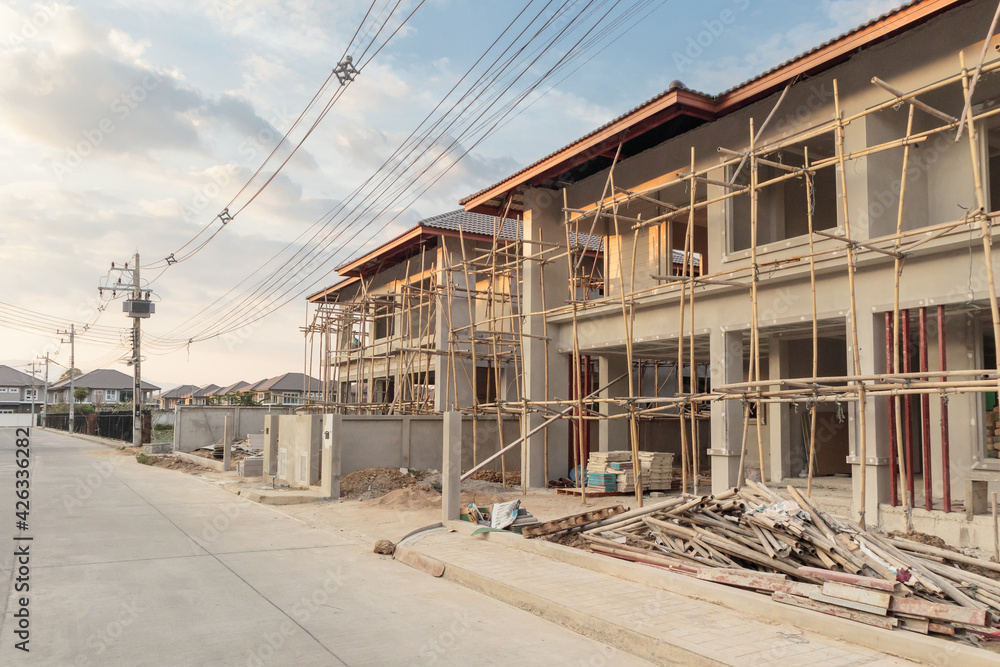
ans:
(925, 411)
(904, 316)
(945, 445)
(893, 482)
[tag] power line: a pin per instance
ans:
(489, 125)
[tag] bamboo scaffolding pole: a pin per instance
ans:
(471, 303)
(754, 286)
(897, 278)
(862, 411)
(545, 348)
(575, 380)
(980, 210)
(680, 328)
(810, 202)
(627, 319)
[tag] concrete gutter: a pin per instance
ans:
(901, 643)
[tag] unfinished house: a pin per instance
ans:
(798, 273)
(387, 328)
(393, 337)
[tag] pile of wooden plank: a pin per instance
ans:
(657, 470)
(790, 549)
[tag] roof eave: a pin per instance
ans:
(680, 101)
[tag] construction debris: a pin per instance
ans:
(790, 549)
(575, 521)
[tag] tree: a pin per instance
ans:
(243, 398)
(75, 371)
(80, 394)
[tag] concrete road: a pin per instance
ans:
(133, 565)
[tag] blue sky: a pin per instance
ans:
(176, 103)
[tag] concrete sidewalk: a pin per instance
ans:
(647, 621)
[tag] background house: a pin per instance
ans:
(105, 387)
(18, 391)
(168, 400)
(287, 389)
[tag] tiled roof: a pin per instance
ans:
(287, 382)
(104, 378)
(10, 377)
(178, 392)
(207, 390)
(233, 388)
(707, 96)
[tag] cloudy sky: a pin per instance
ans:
(127, 126)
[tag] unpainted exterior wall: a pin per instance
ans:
(947, 270)
(200, 426)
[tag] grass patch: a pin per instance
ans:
(144, 459)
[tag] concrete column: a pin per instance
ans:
(177, 429)
(315, 448)
(406, 442)
(450, 254)
(877, 473)
(332, 453)
(270, 445)
(612, 434)
(451, 467)
(543, 222)
(727, 416)
(227, 444)
(778, 417)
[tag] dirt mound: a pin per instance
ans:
(176, 463)
(513, 477)
(412, 497)
(424, 497)
(370, 483)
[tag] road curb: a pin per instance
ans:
(906, 645)
(619, 636)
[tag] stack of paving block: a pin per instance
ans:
(601, 467)
(657, 470)
(993, 432)
(604, 482)
(626, 475)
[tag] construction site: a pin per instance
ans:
(791, 279)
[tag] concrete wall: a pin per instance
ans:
(415, 442)
(200, 426)
(18, 419)
(388, 440)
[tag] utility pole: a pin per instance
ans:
(72, 365)
(137, 362)
(34, 389)
(137, 308)
(45, 394)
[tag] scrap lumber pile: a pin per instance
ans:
(790, 549)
